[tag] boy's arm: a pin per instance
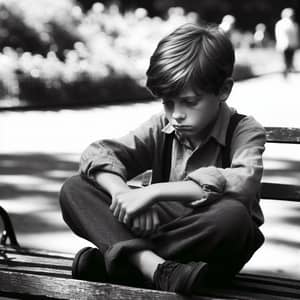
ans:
(242, 180)
(127, 156)
(113, 184)
(127, 204)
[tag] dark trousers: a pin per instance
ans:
(222, 235)
(288, 56)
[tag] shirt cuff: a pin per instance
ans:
(210, 176)
(104, 165)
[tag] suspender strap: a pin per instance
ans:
(167, 157)
(234, 120)
(226, 161)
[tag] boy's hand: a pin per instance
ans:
(128, 203)
(145, 224)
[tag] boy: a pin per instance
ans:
(197, 224)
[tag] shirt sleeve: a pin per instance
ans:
(127, 156)
(242, 180)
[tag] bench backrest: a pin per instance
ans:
(290, 192)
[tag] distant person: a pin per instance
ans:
(228, 25)
(197, 223)
(260, 36)
(287, 38)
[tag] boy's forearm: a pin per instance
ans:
(182, 191)
(111, 183)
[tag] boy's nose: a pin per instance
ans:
(178, 115)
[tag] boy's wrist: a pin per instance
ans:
(112, 183)
(153, 191)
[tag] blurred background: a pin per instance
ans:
(67, 52)
(72, 72)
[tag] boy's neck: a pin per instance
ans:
(203, 136)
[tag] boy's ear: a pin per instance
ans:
(225, 89)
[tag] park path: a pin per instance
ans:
(39, 150)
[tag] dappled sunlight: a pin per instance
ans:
(281, 250)
(30, 205)
(30, 185)
(279, 261)
(28, 182)
(63, 241)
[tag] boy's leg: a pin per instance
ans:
(85, 209)
(223, 235)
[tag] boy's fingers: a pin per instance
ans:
(113, 205)
(116, 210)
(127, 219)
(136, 225)
(149, 222)
(156, 220)
(121, 215)
(142, 222)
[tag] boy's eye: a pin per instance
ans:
(167, 103)
(191, 101)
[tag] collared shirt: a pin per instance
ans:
(142, 149)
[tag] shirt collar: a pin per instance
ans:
(168, 129)
(219, 130)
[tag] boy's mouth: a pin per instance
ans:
(182, 127)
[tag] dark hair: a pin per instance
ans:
(202, 57)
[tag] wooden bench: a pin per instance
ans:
(30, 274)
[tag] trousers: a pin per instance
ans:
(222, 234)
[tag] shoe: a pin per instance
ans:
(89, 264)
(179, 278)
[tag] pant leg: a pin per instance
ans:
(223, 235)
(85, 209)
(217, 234)
(290, 58)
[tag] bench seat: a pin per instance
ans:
(30, 274)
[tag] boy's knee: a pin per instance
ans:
(234, 220)
(68, 188)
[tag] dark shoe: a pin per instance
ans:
(180, 278)
(89, 265)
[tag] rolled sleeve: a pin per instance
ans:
(127, 156)
(99, 157)
(241, 181)
(209, 176)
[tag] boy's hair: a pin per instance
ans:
(201, 57)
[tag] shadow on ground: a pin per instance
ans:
(30, 184)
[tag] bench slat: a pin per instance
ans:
(287, 135)
(279, 191)
(49, 262)
(58, 288)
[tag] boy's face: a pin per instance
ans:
(192, 115)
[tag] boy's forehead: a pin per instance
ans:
(186, 94)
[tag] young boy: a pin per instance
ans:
(197, 224)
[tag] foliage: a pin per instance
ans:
(17, 34)
(69, 56)
(248, 13)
